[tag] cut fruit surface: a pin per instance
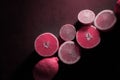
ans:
(105, 20)
(67, 32)
(88, 37)
(86, 16)
(69, 52)
(46, 44)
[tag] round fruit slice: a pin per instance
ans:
(86, 16)
(46, 69)
(69, 52)
(46, 44)
(88, 37)
(105, 20)
(67, 32)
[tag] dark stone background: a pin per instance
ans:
(24, 20)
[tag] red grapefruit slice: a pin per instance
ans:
(46, 69)
(67, 32)
(86, 16)
(88, 37)
(46, 44)
(105, 20)
(69, 52)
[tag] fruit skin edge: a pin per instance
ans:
(66, 62)
(117, 9)
(104, 29)
(91, 46)
(54, 38)
(60, 33)
(86, 23)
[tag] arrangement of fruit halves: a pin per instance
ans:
(69, 52)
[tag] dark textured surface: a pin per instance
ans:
(24, 20)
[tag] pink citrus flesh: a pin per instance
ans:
(86, 16)
(88, 37)
(46, 44)
(46, 69)
(67, 32)
(69, 52)
(105, 20)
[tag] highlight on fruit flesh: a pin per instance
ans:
(46, 69)
(46, 44)
(88, 37)
(67, 32)
(69, 52)
(86, 16)
(105, 20)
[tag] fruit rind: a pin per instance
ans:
(100, 28)
(63, 60)
(54, 37)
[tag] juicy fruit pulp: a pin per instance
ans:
(67, 32)
(86, 16)
(88, 37)
(105, 20)
(46, 44)
(69, 52)
(46, 69)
